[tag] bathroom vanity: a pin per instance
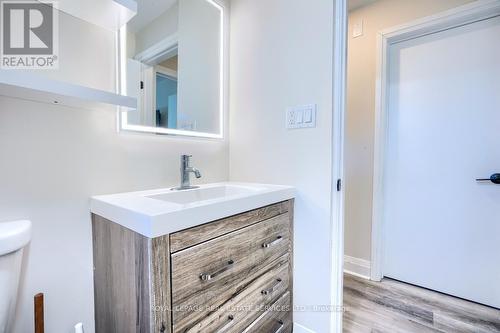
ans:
(213, 259)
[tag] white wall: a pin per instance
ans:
(199, 65)
(53, 159)
(82, 48)
(281, 55)
(361, 110)
(163, 26)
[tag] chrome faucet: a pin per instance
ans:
(186, 169)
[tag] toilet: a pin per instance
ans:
(14, 236)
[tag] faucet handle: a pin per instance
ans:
(185, 161)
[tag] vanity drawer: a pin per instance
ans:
(247, 305)
(209, 274)
(197, 235)
(277, 319)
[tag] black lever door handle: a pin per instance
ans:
(495, 179)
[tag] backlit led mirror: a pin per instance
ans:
(171, 57)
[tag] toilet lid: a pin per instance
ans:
(14, 235)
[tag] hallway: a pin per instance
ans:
(393, 306)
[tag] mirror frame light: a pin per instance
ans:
(123, 125)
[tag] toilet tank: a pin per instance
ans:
(14, 236)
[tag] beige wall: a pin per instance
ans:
(360, 109)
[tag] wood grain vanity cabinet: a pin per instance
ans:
(230, 275)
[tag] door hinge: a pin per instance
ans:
(142, 84)
(339, 185)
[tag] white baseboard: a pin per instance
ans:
(297, 328)
(358, 267)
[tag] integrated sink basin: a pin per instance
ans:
(155, 213)
(198, 195)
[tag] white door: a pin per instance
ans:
(441, 226)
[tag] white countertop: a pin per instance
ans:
(152, 214)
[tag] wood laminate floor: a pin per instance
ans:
(393, 306)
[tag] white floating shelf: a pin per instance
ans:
(109, 14)
(34, 87)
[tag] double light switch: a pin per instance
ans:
(301, 116)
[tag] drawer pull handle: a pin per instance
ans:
(282, 325)
(274, 242)
(230, 322)
(272, 289)
(208, 277)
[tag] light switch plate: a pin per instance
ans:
(303, 116)
(357, 29)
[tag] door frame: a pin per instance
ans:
(337, 189)
(466, 14)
